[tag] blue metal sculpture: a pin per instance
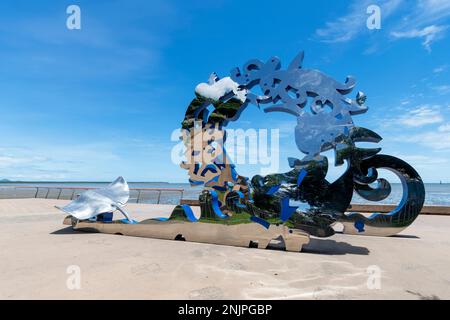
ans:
(235, 210)
(324, 122)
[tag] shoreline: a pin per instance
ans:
(180, 195)
(436, 194)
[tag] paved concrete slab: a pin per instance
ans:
(36, 251)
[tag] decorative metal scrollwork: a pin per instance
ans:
(324, 122)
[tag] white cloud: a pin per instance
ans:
(216, 89)
(429, 34)
(421, 160)
(55, 162)
(349, 26)
(426, 164)
(440, 69)
(11, 160)
(434, 140)
(433, 9)
(424, 21)
(422, 115)
(444, 127)
(443, 89)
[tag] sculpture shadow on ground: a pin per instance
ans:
(322, 246)
(316, 246)
(404, 236)
(63, 231)
(332, 247)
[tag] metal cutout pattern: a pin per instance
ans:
(324, 122)
(292, 204)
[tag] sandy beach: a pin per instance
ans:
(36, 251)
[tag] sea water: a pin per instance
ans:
(436, 194)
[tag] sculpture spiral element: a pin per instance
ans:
(324, 122)
(403, 215)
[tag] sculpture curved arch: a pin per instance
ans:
(324, 122)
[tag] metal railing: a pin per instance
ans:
(137, 195)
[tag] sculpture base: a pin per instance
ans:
(238, 235)
(367, 230)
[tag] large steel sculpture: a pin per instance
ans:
(324, 122)
(239, 211)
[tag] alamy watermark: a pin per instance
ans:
(73, 21)
(73, 281)
(237, 146)
(373, 22)
(374, 278)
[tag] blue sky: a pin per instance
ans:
(99, 102)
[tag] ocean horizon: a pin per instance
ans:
(435, 193)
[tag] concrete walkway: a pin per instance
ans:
(37, 251)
